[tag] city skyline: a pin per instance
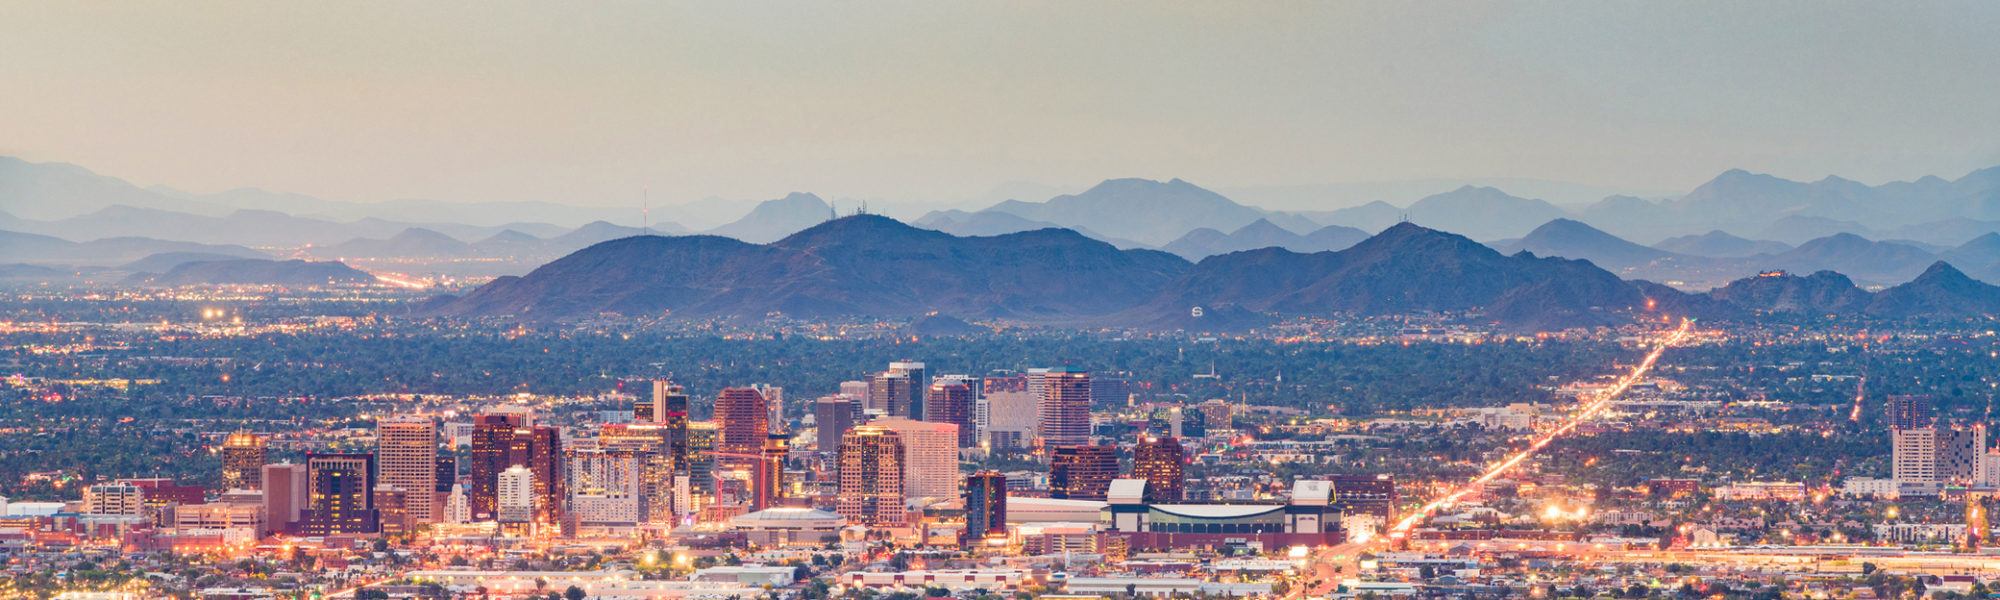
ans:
(1038, 301)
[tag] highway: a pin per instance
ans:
(1328, 565)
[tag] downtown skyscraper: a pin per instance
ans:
(243, 456)
(340, 495)
(871, 478)
(1064, 407)
(950, 400)
(742, 421)
(407, 457)
(1162, 462)
(985, 508)
(899, 391)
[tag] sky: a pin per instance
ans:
(600, 103)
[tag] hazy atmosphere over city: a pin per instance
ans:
(961, 103)
(999, 300)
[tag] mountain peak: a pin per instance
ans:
(422, 234)
(1262, 227)
(1942, 272)
(1565, 224)
(851, 228)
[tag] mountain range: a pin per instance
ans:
(870, 266)
(1722, 258)
(857, 265)
(1735, 225)
(874, 266)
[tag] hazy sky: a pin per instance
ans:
(942, 100)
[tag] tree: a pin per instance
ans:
(574, 593)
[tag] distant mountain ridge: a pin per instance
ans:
(874, 266)
(852, 266)
(870, 266)
(49, 250)
(259, 272)
(1205, 242)
(1407, 269)
(772, 220)
(1940, 292)
(1720, 244)
(1149, 212)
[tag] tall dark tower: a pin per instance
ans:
(832, 417)
(545, 459)
(950, 401)
(492, 446)
(899, 391)
(341, 495)
(985, 508)
(672, 401)
(1162, 462)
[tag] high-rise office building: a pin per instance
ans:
(447, 471)
(603, 486)
(672, 403)
(286, 495)
(1910, 412)
(871, 478)
(516, 503)
(930, 456)
(1162, 462)
(1082, 472)
(540, 449)
(646, 442)
(243, 456)
(832, 417)
(492, 447)
(406, 459)
(742, 419)
(341, 499)
(1939, 453)
(767, 481)
(950, 400)
(704, 438)
(899, 391)
(985, 508)
(1064, 407)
